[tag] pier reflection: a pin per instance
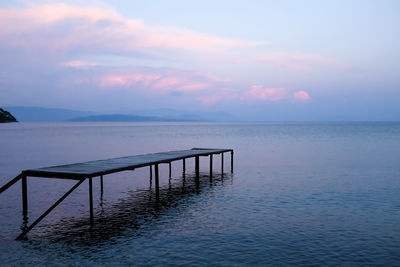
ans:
(133, 214)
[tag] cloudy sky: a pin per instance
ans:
(258, 60)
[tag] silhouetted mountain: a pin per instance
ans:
(180, 115)
(6, 116)
(47, 114)
(39, 114)
(119, 117)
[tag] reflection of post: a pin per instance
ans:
(151, 176)
(197, 167)
(232, 161)
(211, 165)
(101, 193)
(91, 200)
(101, 184)
(222, 163)
(156, 180)
(151, 172)
(169, 184)
(170, 170)
(24, 197)
(184, 165)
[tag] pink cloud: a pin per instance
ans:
(50, 13)
(170, 37)
(167, 83)
(156, 81)
(258, 92)
(183, 84)
(301, 95)
(99, 31)
(99, 28)
(208, 100)
(192, 86)
(202, 87)
(213, 78)
(298, 61)
(78, 64)
(115, 80)
(223, 94)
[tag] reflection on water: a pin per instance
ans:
(302, 194)
(132, 215)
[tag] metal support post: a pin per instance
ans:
(232, 161)
(24, 197)
(197, 167)
(211, 165)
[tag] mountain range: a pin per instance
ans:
(40, 114)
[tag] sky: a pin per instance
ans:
(257, 60)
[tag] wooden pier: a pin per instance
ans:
(99, 168)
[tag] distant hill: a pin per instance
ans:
(47, 114)
(182, 115)
(118, 118)
(6, 116)
(39, 114)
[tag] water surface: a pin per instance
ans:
(300, 194)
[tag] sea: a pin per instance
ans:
(300, 194)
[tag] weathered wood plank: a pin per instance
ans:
(107, 166)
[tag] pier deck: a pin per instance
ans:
(98, 168)
(102, 167)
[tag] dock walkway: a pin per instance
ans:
(89, 170)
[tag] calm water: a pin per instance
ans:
(301, 194)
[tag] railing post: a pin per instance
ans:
(170, 171)
(24, 196)
(91, 200)
(184, 166)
